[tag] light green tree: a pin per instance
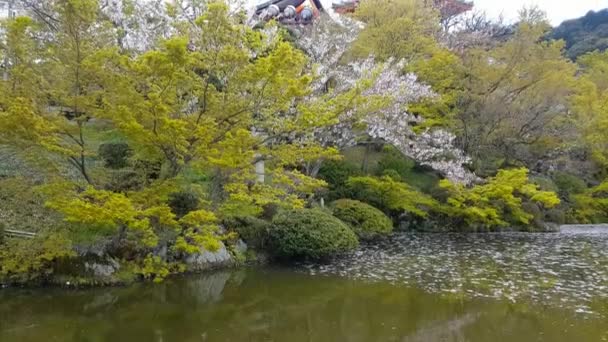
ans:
(514, 103)
(496, 203)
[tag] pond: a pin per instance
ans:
(411, 287)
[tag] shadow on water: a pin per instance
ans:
(343, 304)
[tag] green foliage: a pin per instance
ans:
(514, 101)
(392, 159)
(569, 184)
(544, 183)
(336, 173)
(556, 215)
(393, 174)
(592, 205)
(444, 72)
(390, 195)
(499, 202)
(127, 145)
(410, 30)
(366, 221)
(115, 154)
(590, 105)
(400, 29)
(154, 268)
(536, 216)
(183, 202)
(310, 233)
(24, 260)
(22, 208)
(394, 164)
(157, 148)
(252, 230)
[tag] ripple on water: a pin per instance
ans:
(568, 270)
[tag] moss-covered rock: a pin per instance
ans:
(366, 221)
(310, 233)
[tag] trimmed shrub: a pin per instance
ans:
(310, 233)
(366, 221)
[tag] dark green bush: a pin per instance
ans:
(310, 233)
(149, 170)
(393, 174)
(115, 154)
(366, 221)
(394, 160)
(569, 184)
(252, 230)
(183, 202)
(556, 215)
(336, 173)
(123, 180)
(545, 183)
(394, 164)
(1, 232)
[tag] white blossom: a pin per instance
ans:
(325, 43)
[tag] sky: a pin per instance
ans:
(557, 10)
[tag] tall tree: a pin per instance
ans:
(513, 106)
(53, 90)
(590, 105)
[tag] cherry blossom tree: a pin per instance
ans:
(326, 43)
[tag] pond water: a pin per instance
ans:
(413, 287)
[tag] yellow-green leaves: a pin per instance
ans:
(387, 193)
(514, 103)
(498, 202)
(109, 212)
(590, 104)
(592, 206)
(399, 29)
(28, 260)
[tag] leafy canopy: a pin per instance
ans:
(498, 202)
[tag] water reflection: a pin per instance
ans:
(279, 305)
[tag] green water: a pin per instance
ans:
(412, 287)
(279, 305)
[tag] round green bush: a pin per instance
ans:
(310, 233)
(366, 221)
